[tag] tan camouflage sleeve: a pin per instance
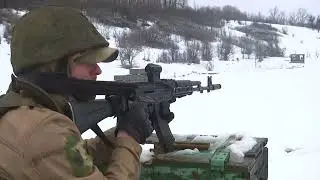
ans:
(101, 152)
(58, 152)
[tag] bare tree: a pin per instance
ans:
(246, 45)
(129, 49)
(225, 48)
(282, 18)
(318, 23)
(274, 14)
(311, 21)
(260, 50)
(206, 51)
(173, 53)
(293, 20)
(127, 56)
(302, 16)
(232, 13)
(193, 52)
(174, 3)
(164, 57)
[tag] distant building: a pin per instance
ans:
(297, 58)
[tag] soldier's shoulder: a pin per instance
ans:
(40, 126)
(49, 131)
(57, 134)
(36, 131)
(35, 117)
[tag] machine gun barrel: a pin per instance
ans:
(209, 87)
(187, 87)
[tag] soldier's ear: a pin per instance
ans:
(71, 62)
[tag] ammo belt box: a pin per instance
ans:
(205, 164)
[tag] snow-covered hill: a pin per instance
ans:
(273, 99)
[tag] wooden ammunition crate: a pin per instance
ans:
(206, 165)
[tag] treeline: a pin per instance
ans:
(140, 9)
(153, 9)
(94, 3)
(169, 9)
(194, 51)
(133, 43)
(301, 18)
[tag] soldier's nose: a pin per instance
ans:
(98, 70)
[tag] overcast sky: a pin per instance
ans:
(313, 6)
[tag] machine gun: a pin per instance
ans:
(156, 93)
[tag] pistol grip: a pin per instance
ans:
(161, 126)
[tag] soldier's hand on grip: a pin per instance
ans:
(136, 122)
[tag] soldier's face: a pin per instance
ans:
(85, 71)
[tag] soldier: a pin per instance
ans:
(38, 140)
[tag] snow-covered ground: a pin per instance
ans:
(273, 99)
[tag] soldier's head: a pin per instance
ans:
(58, 39)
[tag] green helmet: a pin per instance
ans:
(51, 33)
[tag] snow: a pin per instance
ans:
(238, 144)
(185, 151)
(273, 99)
(146, 155)
(240, 147)
(203, 139)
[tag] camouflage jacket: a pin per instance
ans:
(39, 143)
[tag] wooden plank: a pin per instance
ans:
(182, 146)
(261, 142)
(251, 166)
(263, 172)
(179, 138)
(197, 158)
(184, 141)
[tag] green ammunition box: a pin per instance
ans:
(205, 164)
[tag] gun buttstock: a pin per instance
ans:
(87, 115)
